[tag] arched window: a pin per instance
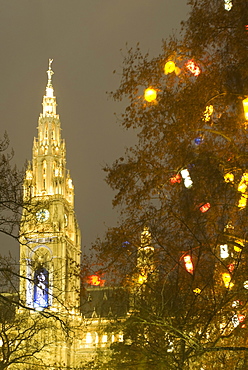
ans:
(41, 285)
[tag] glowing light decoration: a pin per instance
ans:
(224, 251)
(150, 94)
(188, 264)
(228, 5)
(245, 284)
(243, 201)
(226, 277)
(176, 179)
(197, 291)
(169, 67)
(229, 177)
(188, 183)
(242, 187)
(208, 112)
(243, 183)
(231, 267)
(41, 282)
(193, 67)
(240, 246)
(198, 140)
(245, 106)
(205, 207)
(235, 304)
(95, 280)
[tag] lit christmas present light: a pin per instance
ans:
(224, 251)
(187, 179)
(229, 177)
(226, 277)
(188, 264)
(208, 112)
(95, 280)
(228, 5)
(176, 179)
(198, 140)
(245, 106)
(150, 94)
(205, 207)
(193, 67)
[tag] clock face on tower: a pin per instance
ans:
(42, 215)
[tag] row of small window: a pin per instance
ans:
(94, 338)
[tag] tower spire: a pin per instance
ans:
(49, 100)
(50, 73)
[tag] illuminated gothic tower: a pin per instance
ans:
(50, 236)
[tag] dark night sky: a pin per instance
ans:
(84, 38)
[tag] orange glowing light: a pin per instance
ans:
(176, 179)
(188, 264)
(231, 267)
(150, 94)
(205, 207)
(193, 67)
(95, 280)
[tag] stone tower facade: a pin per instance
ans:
(50, 236)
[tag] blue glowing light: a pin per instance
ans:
(41, 282)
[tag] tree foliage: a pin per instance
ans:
(194, 131)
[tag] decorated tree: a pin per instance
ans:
(186, 184)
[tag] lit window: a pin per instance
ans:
(104, 338)
(88, 339)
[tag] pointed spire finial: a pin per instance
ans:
(50, 73)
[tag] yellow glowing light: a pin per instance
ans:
(208, 112)
(197, 290)
(243, 201)
(169, 67)
(238, 248)
(243, 183)
(227, 280)
(150, 94)
(245, 106)
(142, 279)
(229, 177)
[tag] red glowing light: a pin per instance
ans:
(193, 67)
(241, 319)
(231, 267)
(188, 264)
(246, 27)
(205, 207)
(95, 280)
(175, 179)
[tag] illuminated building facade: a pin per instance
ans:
(50, 251)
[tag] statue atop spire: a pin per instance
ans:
(49, 100)
(50, 73)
